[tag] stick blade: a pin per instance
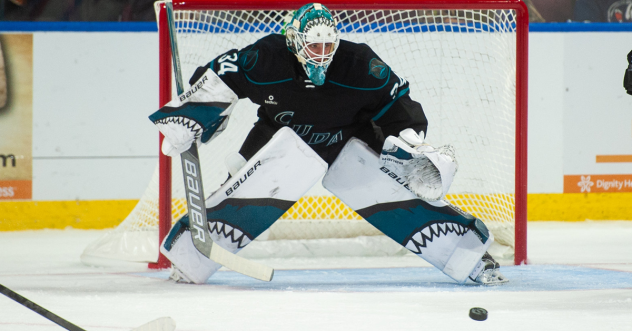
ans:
(240, 264)
(159, 324)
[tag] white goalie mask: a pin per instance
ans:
(313, 37)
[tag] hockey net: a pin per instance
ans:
(460, 58)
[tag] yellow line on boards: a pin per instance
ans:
(104, 214)
(36, 215)
(575, 207)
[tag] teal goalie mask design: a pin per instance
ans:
(312, 36)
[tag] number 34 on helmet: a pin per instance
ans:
(312, 36)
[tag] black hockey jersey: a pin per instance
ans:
(361, 97)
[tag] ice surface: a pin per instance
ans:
(579, 278)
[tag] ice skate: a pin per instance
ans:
(177, 276)
(487, 272)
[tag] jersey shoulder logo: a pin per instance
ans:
(378, 69)
(248, 59)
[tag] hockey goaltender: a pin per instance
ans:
(325, 107)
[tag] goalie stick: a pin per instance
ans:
(194, 189)
(160, 324)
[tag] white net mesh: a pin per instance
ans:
(461, 68)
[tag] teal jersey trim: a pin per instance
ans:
(387, 107)
(269, 83)
(364, 89)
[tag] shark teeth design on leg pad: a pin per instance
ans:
(228, 236)
(421, 237)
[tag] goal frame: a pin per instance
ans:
(522, 39)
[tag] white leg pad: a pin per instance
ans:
(432, 230)
(259, 192)
(466, 256)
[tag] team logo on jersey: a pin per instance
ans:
(247, 60)
(271, 101)
(284, 117)
(378, 69)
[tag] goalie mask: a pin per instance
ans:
(312, 36)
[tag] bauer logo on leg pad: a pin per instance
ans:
(243, 178)
(263, 189)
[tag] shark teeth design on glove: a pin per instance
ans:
(427, 234)
(228, 236)
(190, 124)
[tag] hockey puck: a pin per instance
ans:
(478, 314)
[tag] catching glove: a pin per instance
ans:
(428, 170)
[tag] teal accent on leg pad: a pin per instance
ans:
(176, 231)
(251, 216)
(481, 230)
(401, 219)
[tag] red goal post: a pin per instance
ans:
(521, 68)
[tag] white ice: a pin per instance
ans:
(579, 277)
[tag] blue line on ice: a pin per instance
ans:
(522, 278)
